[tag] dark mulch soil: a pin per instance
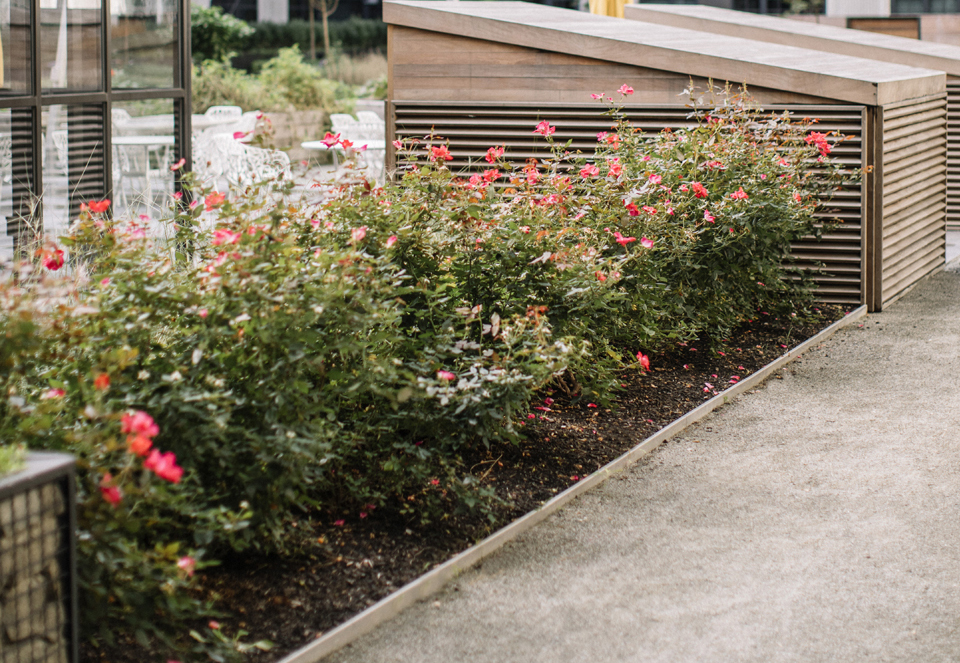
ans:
(348, 568)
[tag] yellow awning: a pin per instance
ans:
(607, 7)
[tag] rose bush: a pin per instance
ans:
(272, 362)
(278, 380)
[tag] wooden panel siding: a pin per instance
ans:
(431, 66)
(895, 26)
(914, 193)
(834, 40)
(685, 52)
(953, 154)
(785, 32)
(471, 128)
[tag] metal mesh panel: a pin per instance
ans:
(34, 567)
(472, 128)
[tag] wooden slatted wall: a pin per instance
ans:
(914, 192)
(953, 154)
(472, 128)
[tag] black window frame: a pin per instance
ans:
(106, 97)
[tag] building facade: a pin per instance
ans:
(94, 103)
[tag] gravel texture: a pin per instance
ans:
(816, 518)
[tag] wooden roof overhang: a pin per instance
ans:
(705, 55)
(801, 34)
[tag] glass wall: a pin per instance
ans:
(143, 151)
(73, 162)
(17, 198)
(94, 103)
(16, 50)
(925, 6)
(143, 35)
(70, 41)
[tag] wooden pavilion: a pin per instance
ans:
(484, 73)
(831, 39)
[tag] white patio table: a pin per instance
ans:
(158, 124)
(130, 166)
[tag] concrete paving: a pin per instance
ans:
(816, 518)
(953, 245)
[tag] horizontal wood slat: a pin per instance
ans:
(914, 183)
(923, 213)
(915, 234)
(915, 171)
(895, 116)
(471, 128)
(953, 154)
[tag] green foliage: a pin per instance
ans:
(354, 35)
(374, 89)
(216, 83)
(12, 458)
(302, 85)
(214, 34)
(344, 357)
(285, 83)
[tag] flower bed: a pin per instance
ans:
(296, 364)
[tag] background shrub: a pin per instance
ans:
(353, 36)
(285, 83)
(214, 35)
(335, 358)
(216, 83)
(302, 85)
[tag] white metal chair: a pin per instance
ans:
(245, 124)
(224, 112)
(371, 122)
(142, 169)
(341, 122)
(121, 119)
(6, 158)
(227, 164)
(345, 125)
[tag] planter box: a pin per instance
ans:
(291, 129)
(38, 614)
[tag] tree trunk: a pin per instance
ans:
(313, 31)
(326, 29)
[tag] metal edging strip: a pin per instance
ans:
(432, 582)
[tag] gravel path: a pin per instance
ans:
(814, 519)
